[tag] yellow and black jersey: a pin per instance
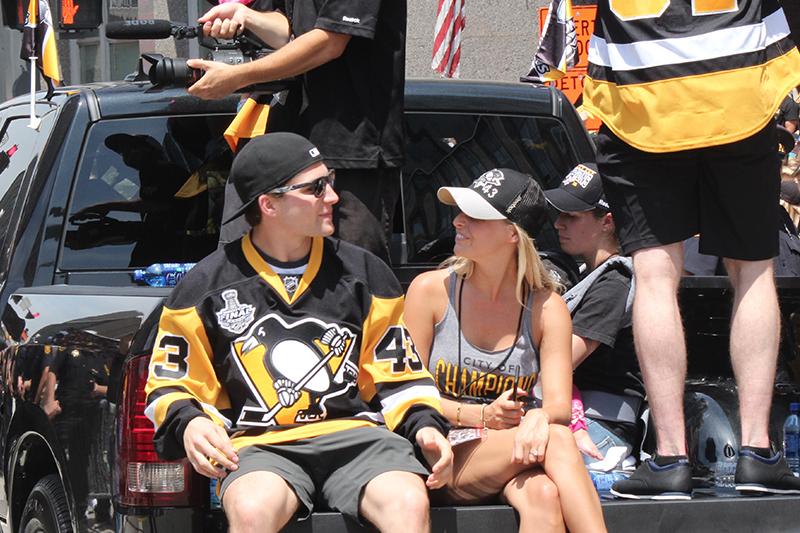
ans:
(234, 346)
(669, 75)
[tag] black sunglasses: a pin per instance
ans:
(315, 187)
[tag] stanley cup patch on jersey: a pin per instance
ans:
(235, 316)
(293, 369)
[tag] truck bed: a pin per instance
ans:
(706, 512)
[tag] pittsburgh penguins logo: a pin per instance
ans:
(293, 369)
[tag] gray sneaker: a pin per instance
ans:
(756, 475)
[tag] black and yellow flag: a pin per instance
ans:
(39, 41)
(557, 45)
(250, 121)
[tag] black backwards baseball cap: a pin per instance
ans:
(268, 161)
(501, 194)
(581, 190)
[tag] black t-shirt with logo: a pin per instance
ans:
(352, 107)
(600, 316)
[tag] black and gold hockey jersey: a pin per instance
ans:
(669, 75)
(234, 346)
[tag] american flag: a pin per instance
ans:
(447, 38)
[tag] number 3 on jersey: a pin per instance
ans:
(396, 345)
(647, 9)
(176, 364)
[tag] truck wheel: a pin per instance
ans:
(46, 510)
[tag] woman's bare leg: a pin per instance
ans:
(536, 499)
(580, 504)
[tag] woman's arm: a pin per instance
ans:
(426, 302)
(555, 354)
(554, 327)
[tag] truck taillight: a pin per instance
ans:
(143, 479)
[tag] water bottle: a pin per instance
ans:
(724, 473)
(214, 502)
(603, 481)
(162, 274)
(791, 438)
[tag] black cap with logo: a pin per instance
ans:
(501, 194)
(268, 161)
(581, 190)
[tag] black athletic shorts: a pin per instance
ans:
(725, 193)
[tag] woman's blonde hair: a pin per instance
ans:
(531, 272)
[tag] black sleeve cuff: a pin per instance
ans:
(168, 440)
(420, 417)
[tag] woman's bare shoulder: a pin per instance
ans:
(548, 299)
(429, 291)
(429, 283)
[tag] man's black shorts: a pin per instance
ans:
(728, 194)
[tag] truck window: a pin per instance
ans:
(18, 155)
(148, 190)
(454, 149)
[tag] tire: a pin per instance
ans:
(46, 510)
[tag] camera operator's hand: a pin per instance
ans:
(217, 82)
(225, 21)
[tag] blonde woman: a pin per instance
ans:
(487, 326)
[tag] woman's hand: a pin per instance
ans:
(530, 442)
(503, 413)
(585, 444)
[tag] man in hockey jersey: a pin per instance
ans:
(687, 92)
(281, 363)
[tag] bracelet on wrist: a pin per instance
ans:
(458, 414)
(483, 418)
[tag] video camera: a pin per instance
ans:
(174, 72)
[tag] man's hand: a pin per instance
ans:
(208, 448)
(218, 81)
(225, 21)
(439, 454)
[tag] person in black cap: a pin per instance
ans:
(281, 363)
(487, 325)
(603, 355)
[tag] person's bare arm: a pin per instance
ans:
(555, 354)
(581, 349)
(555, 368)
(304, 53)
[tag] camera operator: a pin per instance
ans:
(350, 57)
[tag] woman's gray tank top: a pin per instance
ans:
(471, 381)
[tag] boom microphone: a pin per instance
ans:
(148, 29)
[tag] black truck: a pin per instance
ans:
(119, 177)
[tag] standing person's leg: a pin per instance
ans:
(755, 309)
(660, 344)
(740, 199)
(655, 201)
(365, 211)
